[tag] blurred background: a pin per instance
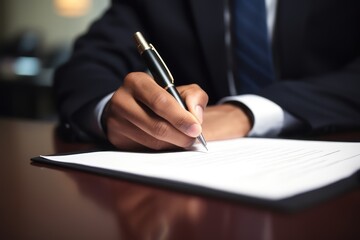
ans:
(36, 36)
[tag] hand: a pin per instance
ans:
(147, 213)
(142, 114)
(225, 121)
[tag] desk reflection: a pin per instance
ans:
(144, 212)
(147, 212)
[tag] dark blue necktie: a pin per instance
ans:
(252, 59)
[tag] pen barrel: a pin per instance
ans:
(174, 92)
(160, 72)
(161, 75)
(157, 69)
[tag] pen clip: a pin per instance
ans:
(162, 61)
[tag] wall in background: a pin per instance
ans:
(27, 64)
(41, 16)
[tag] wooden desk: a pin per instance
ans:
(45, 202)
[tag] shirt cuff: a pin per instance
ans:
(98, 111)
(269, 118)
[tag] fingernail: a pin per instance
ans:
(199, 111)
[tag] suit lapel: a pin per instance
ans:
(209, 23)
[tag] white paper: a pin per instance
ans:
(264, 168)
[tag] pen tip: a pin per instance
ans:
(202, 141)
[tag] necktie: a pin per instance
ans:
(252, 58)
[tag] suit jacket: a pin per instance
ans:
(316, 47)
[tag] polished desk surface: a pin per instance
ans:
(39, 201)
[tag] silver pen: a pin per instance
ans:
(160, 72)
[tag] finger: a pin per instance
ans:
(155, 133)
(128, 136)
(120, 132)
(164, 105)
(144, 121)
(195, 98)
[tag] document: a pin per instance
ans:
(270, 169)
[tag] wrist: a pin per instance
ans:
(249, 114)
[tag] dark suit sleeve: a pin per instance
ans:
(325, 103)
(317, 57)
(101, 59)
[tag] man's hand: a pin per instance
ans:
(225, 121)
(142, 114)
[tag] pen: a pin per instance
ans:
(160, 72)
